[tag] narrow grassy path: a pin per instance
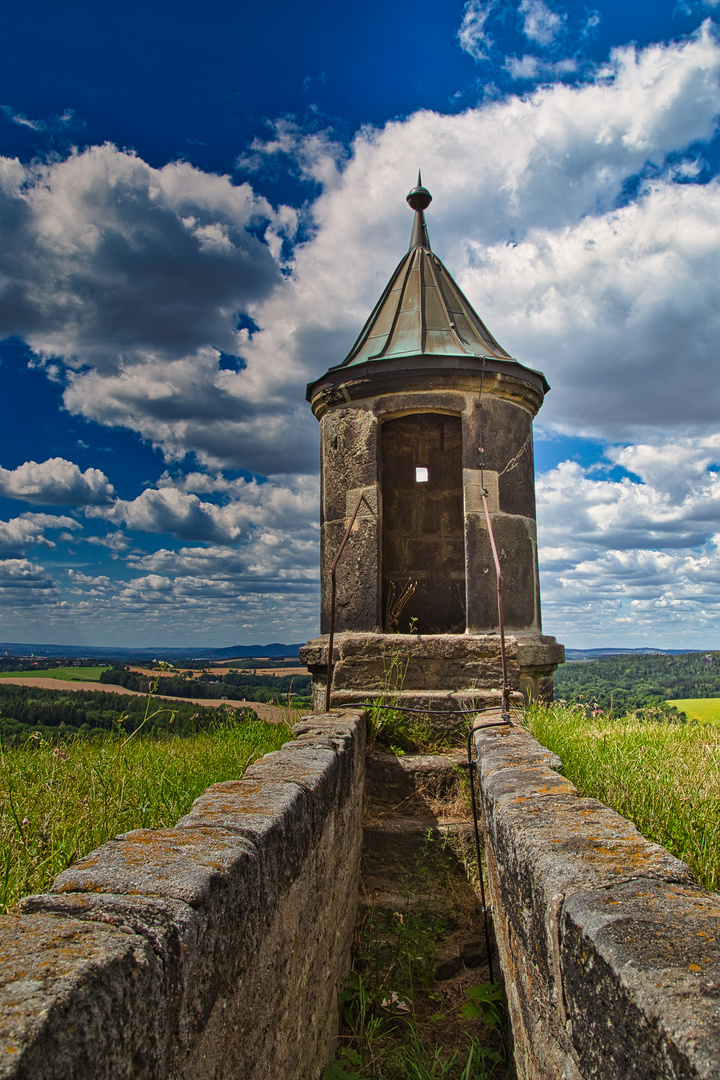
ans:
(418, 1004)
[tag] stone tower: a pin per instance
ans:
(425, 414)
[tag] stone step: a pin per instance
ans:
(397, 844)
(382, 893)
(449, 710)
(392, 779)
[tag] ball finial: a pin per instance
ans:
(419, 198)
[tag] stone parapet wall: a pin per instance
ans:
(214, 949)
(609, 948)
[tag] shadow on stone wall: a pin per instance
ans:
(214, 949)
(610, 949)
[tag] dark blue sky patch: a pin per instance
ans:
(34, 426)
(550, 452)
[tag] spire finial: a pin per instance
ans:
(419, 199)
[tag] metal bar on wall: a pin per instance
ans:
(501, 625)
(333, 582)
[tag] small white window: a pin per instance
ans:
(421, 474)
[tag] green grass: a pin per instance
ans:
(663, 776)
(58, 802)
(399, 1023)
(67, 674)
(706, 709)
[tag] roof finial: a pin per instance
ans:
(419, 198)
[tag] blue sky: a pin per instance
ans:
(199, 205)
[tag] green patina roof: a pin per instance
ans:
(422, 311)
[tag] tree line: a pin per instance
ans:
(54, 714)
(233, 685)
(619, 684)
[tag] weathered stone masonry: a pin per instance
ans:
(214, 949)
(610, 949)
(218, 948)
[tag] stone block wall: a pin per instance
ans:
(216, 949)
(434, 671)
(609, 948)
(402, 543)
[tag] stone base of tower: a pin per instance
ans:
(433, 671)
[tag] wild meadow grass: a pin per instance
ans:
(664, 776)
(58, 801)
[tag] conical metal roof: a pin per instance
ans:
(422, 312)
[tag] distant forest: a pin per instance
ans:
(616, 684)
(622, 683)
(59, 714)
(234, 685)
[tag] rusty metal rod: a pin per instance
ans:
(331, 635)
(501, 625)
(473, 775)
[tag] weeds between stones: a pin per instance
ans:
(401, 732)
(400, 1022)
(407, 733)
(412, 1009)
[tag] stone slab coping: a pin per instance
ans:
(528, 648)
(625, 943)
(119, 966)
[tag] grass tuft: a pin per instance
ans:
(399, 1023)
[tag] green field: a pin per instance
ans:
(67, 674)
(60, 801)
(699, 708)
(663, 776)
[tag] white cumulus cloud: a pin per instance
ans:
(17, 534)
(174, 508)
(23, 582)
(621, 557)
(56, 482)
(134, 278)
(620, 310)
(105, 255)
